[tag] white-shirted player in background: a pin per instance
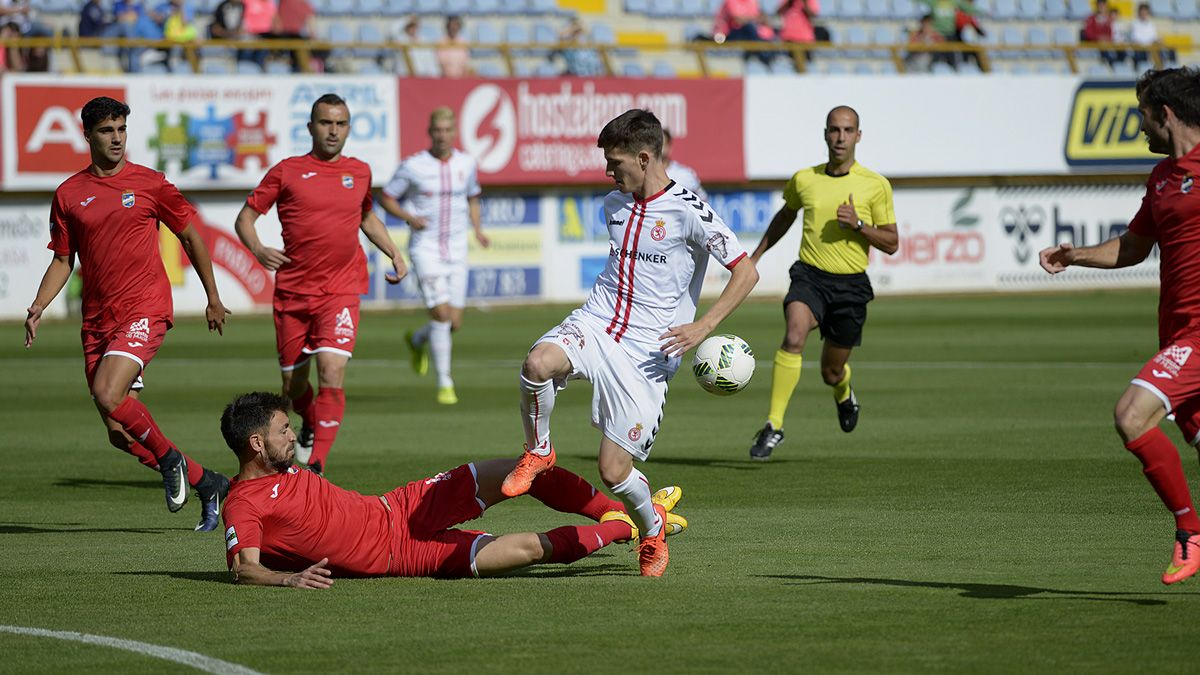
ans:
(628, 337)
(682, 174)
(440, 188)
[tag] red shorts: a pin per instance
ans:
(423, 513)
(1173, 375)
(307, 324)
(137, 340)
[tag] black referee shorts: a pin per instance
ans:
(838, 301)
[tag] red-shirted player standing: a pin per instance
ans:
(279, 518)
(108, 215)
(1169, 101)
(323, 200)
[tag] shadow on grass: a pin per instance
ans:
(209, 577)
(71, 528)
(95, 482)
(986, 591)
(735, 464)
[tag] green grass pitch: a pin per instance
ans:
(983, 518)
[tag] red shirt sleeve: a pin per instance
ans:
(1143, 223)
(368, 201)
(60, 235)
(264, 196)
(173, 208)
(243, 529)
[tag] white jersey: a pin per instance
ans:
(686, 177)
(437, 191)
(658, 250)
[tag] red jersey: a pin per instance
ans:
(1170, 214)
(111, 224)
(296, 518)
(321, 206)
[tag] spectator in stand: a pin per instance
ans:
(1099, 28)
(1143, 32)
(294, 21)
(452, 54)
(422, 60)
(925, 34)
(93, 20)
(579, 62)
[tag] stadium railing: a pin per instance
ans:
(799, 53)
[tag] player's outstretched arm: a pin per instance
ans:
(377, 232)
(1122, 251)
(247, 569)
(779, 226)
(53, 280)
(197, 252)
(679, 339)
(270, 258)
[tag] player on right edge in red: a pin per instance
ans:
(108, 215)
(1169, 101)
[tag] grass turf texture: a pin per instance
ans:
(983, 518)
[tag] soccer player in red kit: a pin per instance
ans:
(323, 199)
(1169, 101)
(108, 216)
(286, 527)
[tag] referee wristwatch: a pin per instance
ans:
(859, 225)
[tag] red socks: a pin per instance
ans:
(574, 542)
(148, 438)
(327, 412)
(303, 405)
(564, 491)
(1163, 468)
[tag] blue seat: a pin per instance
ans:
(1004, 10)
(877, 9)
(1029, 10)
(1185, 10)
(1056, 10)
(1078, 10)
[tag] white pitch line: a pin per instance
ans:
(197, 661)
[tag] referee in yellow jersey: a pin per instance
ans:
(847, 208)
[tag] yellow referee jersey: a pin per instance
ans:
(825, 245)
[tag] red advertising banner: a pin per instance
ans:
(544, 131)
(49, 135)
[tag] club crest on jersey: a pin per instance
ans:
(127, 200)
(635, 434)
(348, 182)
(716, 244)
(345, 323)
(1186, 186)
(659, 232)
(139, 330)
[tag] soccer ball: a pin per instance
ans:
(723, 364)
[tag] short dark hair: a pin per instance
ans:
(327, 99)
(250, 414)
(633, 131)
(1178, 88)
(100, 110)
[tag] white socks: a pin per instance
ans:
(537, 402)
(439, 345)
(635, 493)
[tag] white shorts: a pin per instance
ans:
(629, 380)
(442, 283)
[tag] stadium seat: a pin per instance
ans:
(1078, 10)
(1029, 10)
(1186, 10)
(1004, 10)
(1056, 10)
(369, 8)
(877, 9)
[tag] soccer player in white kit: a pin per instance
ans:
(629, 336)
(440, 186)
